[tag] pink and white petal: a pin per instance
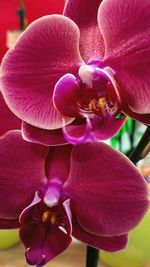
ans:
(9, 223)
(43, 243)
(28, 212)
(7, 119)
(109, 195)
(58, 163)
(42, 136)
(84, 14)
(125, 26)
(31, 68)
(107, 243)
(79, 134)
(22, 172)
(94, 129)
(66, 96)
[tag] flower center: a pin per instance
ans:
(49, 216)
(97, 106)
(99, 91)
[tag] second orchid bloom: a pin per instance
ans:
(88, 191)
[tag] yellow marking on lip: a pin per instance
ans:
(97, 105)
(49, 216)
(53, 219)
(102, 102)
(45, 216)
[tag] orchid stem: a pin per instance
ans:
(21, 14)
(136, 154)
(92, 257)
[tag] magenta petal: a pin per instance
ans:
(107, 243)
(84, 14)
(7, 119)
(43, 243)
(66, 94)
(30, 70)
(94, 129)
(41, 136)
(144, 118)
(58, 163)
(9, 223)
(21, 173)
(107, 127)
(125, 27)
(109, 195)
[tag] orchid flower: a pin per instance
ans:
(75, 73)
(47, 193)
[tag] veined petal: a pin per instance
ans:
(43, 243)
(9, 223)
(125, 26)
(42, 136)
(21, 173)
(58, 163)
(31, 68)
(107, 243)
(108, 194)
(84, 14)
(7, 119)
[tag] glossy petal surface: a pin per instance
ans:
(21, 173)
(7, 119)
(58, 163)
(43, 243)
(84, 14)
(43, 239)
(109, 195)
(31, 69)
(107, 243)
(9, 223)
(42, 136)
(125, 26)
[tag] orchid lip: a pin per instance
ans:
(88, 135)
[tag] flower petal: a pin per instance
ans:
(7, 119)
(43, 243)
(9, 223)
(125, 27)
(107, 127)
(66, 94)
(31, 68)
(58, 163)
(21, 173)
(144, 118)
(41, 136)
(108, 194)
(84, 14)
(107, 243)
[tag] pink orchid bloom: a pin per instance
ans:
(91, 65)
(47, 193)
